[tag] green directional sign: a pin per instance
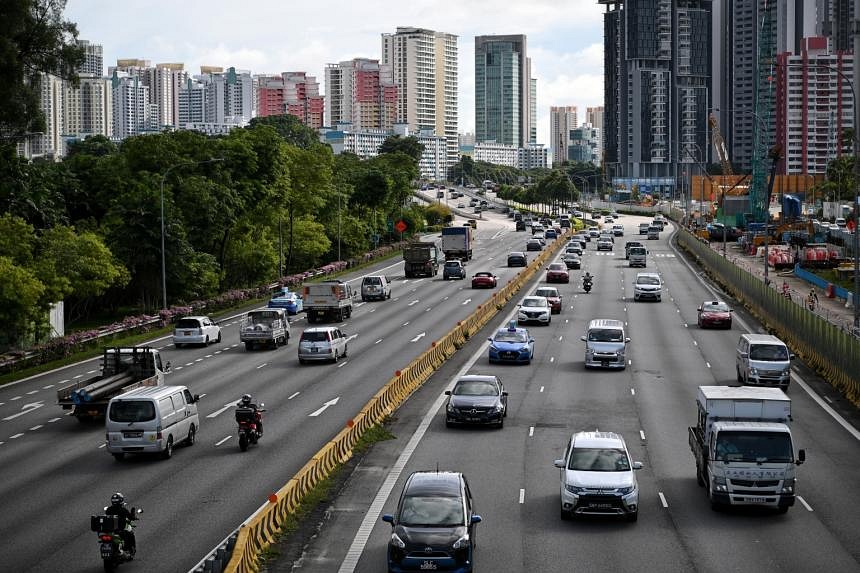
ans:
(390, 224)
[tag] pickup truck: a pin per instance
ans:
(743, 447)
(269, 327)
(328, 300)
(122, 370)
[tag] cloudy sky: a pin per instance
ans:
(565, 37)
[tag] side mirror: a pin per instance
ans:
(476, 519)
(699, 309)
(637, 465)
(489, 339)
(627, 339)
(504, 393)
(167, 366)
(559, 464)
(447, 392)
(582, 337)
(196, 398)
(731, 310)
(531, 339)
(801, 456)
(791, 355)
(388, 518)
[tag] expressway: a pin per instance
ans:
(651, 403)
(56, 473)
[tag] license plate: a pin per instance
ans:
(132, 434)
(429, 566)
(601, 505)
(315, 349)
(473, 419)
(187, 333)
(755, 499)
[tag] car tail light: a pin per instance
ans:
(106, 538)
(158, 432)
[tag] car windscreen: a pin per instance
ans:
(557, 267)
(534, 302)
(452, 264)
(314, 336)
(773, 352)
(637, 250)
(431, 511)
(372, 281)
(761, 447)
(475, 388)
(715, 307)
(188, 323)
(647, 281)
(605, 335)
(599, 460)
(507, 336)
(127, 411)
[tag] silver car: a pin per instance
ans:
(597, 477)
(326, 343)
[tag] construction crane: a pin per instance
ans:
(723, 155)
(763, 79)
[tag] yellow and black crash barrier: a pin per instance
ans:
(262, 529)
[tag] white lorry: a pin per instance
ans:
(743, 447)
(268, 327)
(328, 300)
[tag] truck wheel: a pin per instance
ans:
(168, 451)
(177, 345)
(118, 456)
(248, 346)
(782, 509)
(339, 315)
(192, 436)
(349, 312)
(363, 299)
(699, 478)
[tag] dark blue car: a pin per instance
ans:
(512, 344)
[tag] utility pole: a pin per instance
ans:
(856, 293)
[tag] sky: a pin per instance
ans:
(565, 38)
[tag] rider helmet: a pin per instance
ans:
(117, 499)
(246, 400)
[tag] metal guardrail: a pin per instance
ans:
(261, 529)
(823, 345)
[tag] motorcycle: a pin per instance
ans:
(249, 426)
(586, 285)
(111, 541)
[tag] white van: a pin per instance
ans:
(322, 343)
(605, 344)
(152, 419)
(763, 360)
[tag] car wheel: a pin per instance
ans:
(168, 451)
(177, 345)
(633, 516)
(119, 456)
(565, 515)
(783, 509)
(218, 340)
(302, 361)
(501, 423)
(192, 436)
(206, 342)
(363, 299)
(448, 424)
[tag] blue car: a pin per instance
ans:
(288, 300)
(512, 344)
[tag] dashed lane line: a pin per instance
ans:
(261, 365)
(34, 428)
(49, 386)
(663, 499)
(806, 505)
(52, 420)
(531, 431)
(218, 443)
(293, 395)
(642, 434)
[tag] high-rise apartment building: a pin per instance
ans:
(302, 98)
(361, 92)
(657, 74)
(94, 62)
(814, 107)
(88, 108)
(582, 144)
(562, 119)
(164, 82)
(505, 92)
(594, 117)
(424, 69)
(229, 95)
(133, 112)
(834, 22)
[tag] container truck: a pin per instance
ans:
(420, 260)
(457, 243)
(743, 447)
(122, 369)
(328, 300)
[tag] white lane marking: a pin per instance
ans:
(324, 407)
(416, 301)
(642, 434)
(342, 364)
(102, 445)
(202, 395)
(91, 371)
(78, 376)
(25, 409)
(52, 420)
(1, 443)
(663, 499)
(34, 428)
(446, 298)
(179, 367)
(560, 338)
(551, 359)
(378, 341)
(419, 337)
(839, 419)
(806, 505)
(406, 323)
(31, 392)
(372, 309)
(221, 410)
(261, 365)
(629, 362)
(358, 304)
(829, 401)
(63, 381)
(199, 360)
(541, 388)
(565, 321)
(47, 387)
(531, 431)
(16, 436)
(522, 495)
(293, 395)
(234, 345)
(217, 352)
(418, 281)
(633, 391)
(467, 301)
(219, 442)
(396, 299)
(189, 364)
(695, 343)
(208, 356)
(352, 337)
(428, 309)
(708, 364)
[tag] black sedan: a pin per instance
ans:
(477, 399)
(517, 259)
(534, 245)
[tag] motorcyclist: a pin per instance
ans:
(118, 508)
(248, 402)
(587, 278)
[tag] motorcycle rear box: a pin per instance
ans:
(100, 523)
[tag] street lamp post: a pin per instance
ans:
(163, 256)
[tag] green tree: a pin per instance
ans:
(34, 40)
(437, 214)
(409, 146)
(20, 292)
(291, 129)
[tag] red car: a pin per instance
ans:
(557, 273)
(484, 280)
(715, 314)
(552, 296)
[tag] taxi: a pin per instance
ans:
(512, 344)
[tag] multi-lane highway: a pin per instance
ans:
(651, 403)
(55, 472)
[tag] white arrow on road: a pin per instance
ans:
(467, 301)
(419, 337)
(413, 302)
(222, 410)
(325, 406)
(25, 409)
(354, 336)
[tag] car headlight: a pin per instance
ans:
(754, 371)
(461, 543)
(494, 348)
(498, 408)
(574, 489)
(719, 483)
(626, 490)
(450, 408)
(397, 542)
(788, 486)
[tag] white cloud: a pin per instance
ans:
(272, 36)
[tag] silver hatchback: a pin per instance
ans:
(325, 343)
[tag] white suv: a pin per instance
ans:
(196, 330)
(648, 286)
(535, 309)
(597, 477)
